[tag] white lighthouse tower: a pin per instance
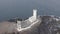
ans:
(35, 13)
(34, 17)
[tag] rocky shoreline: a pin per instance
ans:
(49, 25)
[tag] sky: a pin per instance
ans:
(23, 8)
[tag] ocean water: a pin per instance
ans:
(23, 8)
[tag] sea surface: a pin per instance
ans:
(23, 8)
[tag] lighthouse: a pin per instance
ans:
(34, 16)
(35, 13)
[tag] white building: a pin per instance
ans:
(31, 19)
(34, 17)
